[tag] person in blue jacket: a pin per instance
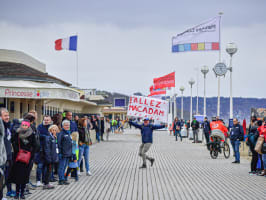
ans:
(73, 125)
(43, 132)
(236, 136)
(146, 134)
(64, 142)
(50, 154)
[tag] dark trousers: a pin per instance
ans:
(101, 136)
(74, 171)
(195, 135)
(254, 160)
(261, 162)
(47, 175)
(20, 188)
(177, 133)
(207, 137)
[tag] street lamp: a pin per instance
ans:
(175, 114)
(231, 49)
(191, 82)
(182, 88)
(204, 70)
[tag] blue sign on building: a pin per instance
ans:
(120, 102)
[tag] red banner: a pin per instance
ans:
(151, 88)
(164, 81)
(159, 92)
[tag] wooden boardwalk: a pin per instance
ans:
(181, 171)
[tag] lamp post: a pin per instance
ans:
(175, 114)
(231, 49)
(191, 82)
(182, 88)
(204, 70)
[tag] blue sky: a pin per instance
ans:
(123, 45)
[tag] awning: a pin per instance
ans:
(37, 90)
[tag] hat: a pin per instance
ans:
(146, 119)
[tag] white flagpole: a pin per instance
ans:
(219, 78)
(77, 68)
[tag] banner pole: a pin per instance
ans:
(219, 78)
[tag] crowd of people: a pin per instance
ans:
(59, 146)
(217, 127)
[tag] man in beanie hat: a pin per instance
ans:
(146, 133)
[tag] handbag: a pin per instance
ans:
(23, 155)
(259, 144)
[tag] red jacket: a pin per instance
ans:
(262, 130)
(220, 126)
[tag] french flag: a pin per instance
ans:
(69, 43)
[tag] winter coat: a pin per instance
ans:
(177, 125)
(195, 125)
(7, 140)
(237, 133)
(82, 135)
(262, 131)
(73, 127)
(253, 136)
(102, 126)
(42, 131)
(146, 131)
(64, 142)
(206, 127)
(20, 172)
(2, 144)
(50, 151)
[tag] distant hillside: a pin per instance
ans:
(242, 106)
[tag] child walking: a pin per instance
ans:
(73, 162)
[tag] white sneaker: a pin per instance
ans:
(89, 173)
(39, 184)
(79, 172)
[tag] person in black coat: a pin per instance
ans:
(25, 140)
(195, 128)
(50, 154)
(207, 129)
(102, 127)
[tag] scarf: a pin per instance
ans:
(24, 133)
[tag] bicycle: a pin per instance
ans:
(217, 146)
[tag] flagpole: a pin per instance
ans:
(77, 68)
(219, 78)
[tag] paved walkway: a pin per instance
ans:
(181, 171)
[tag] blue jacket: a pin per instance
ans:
(176, 124)
(64, 142)
(146, 131)
(43, 131)
(237, 133)
(206, 126)
(49, 149)
(73, 127)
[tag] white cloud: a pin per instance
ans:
(126, 60)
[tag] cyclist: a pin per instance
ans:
(218, 130)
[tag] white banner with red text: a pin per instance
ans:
(146, 107)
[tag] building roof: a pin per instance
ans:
(16, 65)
